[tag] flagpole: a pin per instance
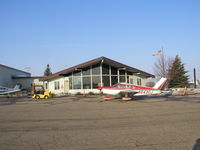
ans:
(162, 58)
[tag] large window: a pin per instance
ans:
(70, 83)
(86, 71)
(127, 79)
(106, 80)
(86, 82)
(114, 80)
(122, 72)
(129, 73)
(77, 73)
(113, 71)
(122, 79)
(90, 76)
(96, 69)
(105, 69)
(96, 82)
(76, 82)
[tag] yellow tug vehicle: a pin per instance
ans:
(39, 92)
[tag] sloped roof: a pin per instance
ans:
(96, 61)
(14, 69)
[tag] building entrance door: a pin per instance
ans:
(66, 86)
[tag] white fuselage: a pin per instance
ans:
(139, 92)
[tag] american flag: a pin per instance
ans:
(157, 53)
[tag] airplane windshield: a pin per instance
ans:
(122, 86)
(38, 88)
(119, 86)
(116, 85)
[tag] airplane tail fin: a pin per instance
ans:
(160, 83)
(17, 87)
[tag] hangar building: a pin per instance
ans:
(88, 76)
(9, 77)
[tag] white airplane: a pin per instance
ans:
(133, 90)
(5, 90)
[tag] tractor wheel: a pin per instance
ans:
(46, 97)
(37, 97)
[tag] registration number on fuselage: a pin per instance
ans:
(146, 92)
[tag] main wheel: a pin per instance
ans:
(37, 97)
(46, 97)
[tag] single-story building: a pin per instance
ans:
(88, 76)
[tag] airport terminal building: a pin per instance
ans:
(88, 76)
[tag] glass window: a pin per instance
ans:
(86, 71)
(129, 73)
(139, 81)
(96, 82)
(105, 69)
(46, 85)
(122, 72)
(86, 82)
(96, 69)
(121, 86)
(56, 85)
(70, 83)
(106, 80)
(77, 73)
(122, 79)
(114, 80)
(77, 82)
(127, 79)
(131, 81)
(39, 90)
(129, 86)
(113, 71)
(116, 85)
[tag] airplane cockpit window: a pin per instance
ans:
(119, 86)
(129, 86)
(122, 86)
(115, 85)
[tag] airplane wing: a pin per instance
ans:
(9, 92)
(129, 92)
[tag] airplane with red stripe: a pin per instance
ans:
(134, 90)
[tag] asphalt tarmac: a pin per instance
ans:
(89, 123)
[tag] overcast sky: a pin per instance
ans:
(64, 33)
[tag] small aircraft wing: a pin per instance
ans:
(129, 92)
(9, 92)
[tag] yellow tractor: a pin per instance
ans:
(38, 92)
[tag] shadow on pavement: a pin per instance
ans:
(197, 145)
(149, 97)
(11, 101)
(190, 99)
(7, 102)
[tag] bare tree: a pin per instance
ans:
(162, 66)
